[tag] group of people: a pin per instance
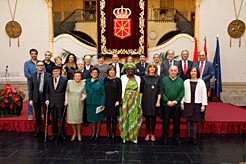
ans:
(127, 92)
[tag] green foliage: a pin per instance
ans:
(163, 56)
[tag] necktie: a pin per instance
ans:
(55, 80)
(201, 68)
(39, 78)
(142, 65)
(185, 68)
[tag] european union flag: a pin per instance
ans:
(217, 71)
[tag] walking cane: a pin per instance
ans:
(60, 124)
(46, 123)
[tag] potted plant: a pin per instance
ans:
(11, 101)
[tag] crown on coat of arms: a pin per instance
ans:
(122, 12)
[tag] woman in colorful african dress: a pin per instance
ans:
(130, 114)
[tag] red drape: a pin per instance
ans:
(110, 44)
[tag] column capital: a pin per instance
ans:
(49, 3)
(198, 2)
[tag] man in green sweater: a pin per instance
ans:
(172, 94)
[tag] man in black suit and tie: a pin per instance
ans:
(141, 66)
(37, 87)
(184, 64)
(55, 98)
(206, 72)
(118, 65)
(166, 64)
(87, 67)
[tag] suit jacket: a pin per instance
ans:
(56, 96)
(181, 71)
(86, 73)
(165, 67)
(121, 65)
(141, 69)
(34, 87)
(208, 72)
(95, 92)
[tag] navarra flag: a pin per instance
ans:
(205, 47)
(217, 71)
(195, 57)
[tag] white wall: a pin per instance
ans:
(33, 18)
(215, 16)
(178, 43)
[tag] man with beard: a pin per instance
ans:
(141, 66)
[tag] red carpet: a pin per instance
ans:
(221, 118)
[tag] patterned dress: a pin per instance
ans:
(75, 105)
(130, 119)
(103, 71)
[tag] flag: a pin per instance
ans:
(195, 57)
(217, 70)
(205, 46)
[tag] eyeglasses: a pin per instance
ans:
(33, 53)
(40, 65)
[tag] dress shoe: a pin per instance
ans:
(108, 137)
(63, 137)
(53, 137)
(92, 137)
(38, 132)
(86, 124)
(194, 142)
(152, 137)
(97, 137)
(165, 139)
(113, 137)
(147, 137)
(202, 120)
(79, 138)
(188, 140)
(176, 139)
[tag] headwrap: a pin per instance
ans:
(129, 65)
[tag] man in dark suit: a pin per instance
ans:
(141, 66)
(206, 72)
(184, 65)
(156, 59)
(55, 98)
(87, 67)
(118, 65)
(166, 64)
(37, 87)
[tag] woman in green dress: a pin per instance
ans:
(95, 98)
(74, 99)
(130, 119)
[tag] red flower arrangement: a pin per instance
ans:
(10, 98)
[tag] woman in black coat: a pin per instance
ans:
(150, 88)
(113, 93)
(70, 65)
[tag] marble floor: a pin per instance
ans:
(23, 148)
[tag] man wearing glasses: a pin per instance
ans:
(37, 86)
(29, 69)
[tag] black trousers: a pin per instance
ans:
(38, 111)
(56, 113)
(175, 112)
(153, 123)
(84, 114)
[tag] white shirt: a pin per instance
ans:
(87, 68)
(171, 63)
(204, 62)
(57, 80)
(172, 78)
(117, 66)
(159, 69)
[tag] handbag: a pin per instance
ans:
(98, 110)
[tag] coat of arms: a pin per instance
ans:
(122, 24)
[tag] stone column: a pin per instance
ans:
(51, 28)
(196, 35)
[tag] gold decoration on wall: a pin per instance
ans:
(13, 28)
(237, 27)
(105, 50)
